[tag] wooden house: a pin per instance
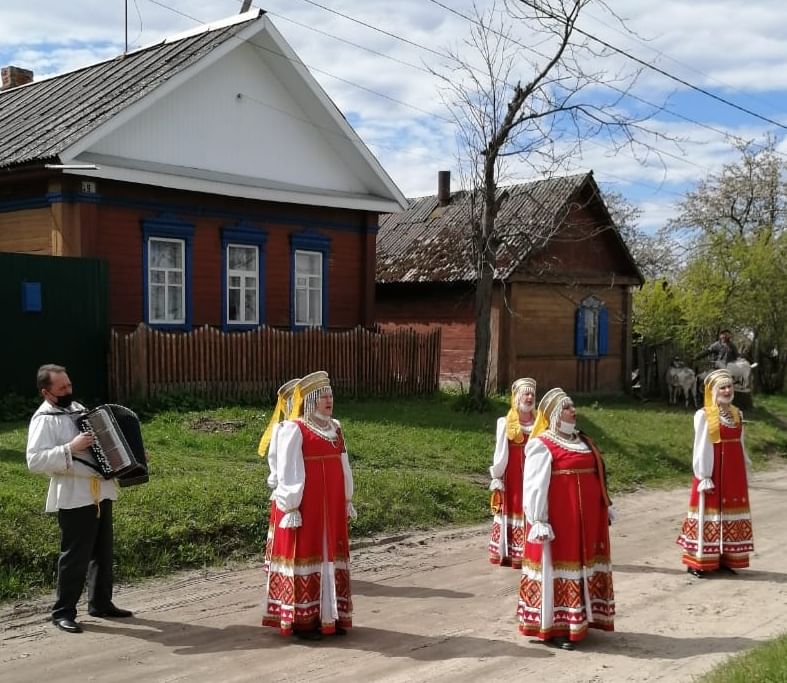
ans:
(561, 306)
(211, 172)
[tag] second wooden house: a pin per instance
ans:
(561, 309)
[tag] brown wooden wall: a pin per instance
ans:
(424, 307)
(27, 230)
(542, 337)
(109, 226)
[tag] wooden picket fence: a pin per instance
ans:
(244, 365)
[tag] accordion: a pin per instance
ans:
(117, 447)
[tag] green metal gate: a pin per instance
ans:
(53, 310)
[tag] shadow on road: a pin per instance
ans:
(378, 590)
(190, 639)
(657, 646)
(742, 575)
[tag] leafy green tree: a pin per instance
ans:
(733, 225)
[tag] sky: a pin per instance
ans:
(376, 60)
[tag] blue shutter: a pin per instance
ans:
(603, 331)
(579, 332)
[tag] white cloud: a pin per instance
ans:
(734, 49)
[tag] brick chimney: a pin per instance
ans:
(13, 76)
(443, 188)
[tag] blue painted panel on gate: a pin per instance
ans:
(31, 297)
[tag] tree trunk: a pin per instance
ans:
(483, 333)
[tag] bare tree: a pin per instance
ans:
(532, 104)
(655, 254)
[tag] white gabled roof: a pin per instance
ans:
(228, 109)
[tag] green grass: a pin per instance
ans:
(766, 663)
(417, 464)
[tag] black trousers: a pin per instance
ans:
(85, 553)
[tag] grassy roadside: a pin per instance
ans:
(766, 663)
(416, 464)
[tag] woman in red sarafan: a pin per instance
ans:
(719, 499)
(507, 540)
(566, 584)
(308, 589)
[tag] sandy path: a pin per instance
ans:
(431, 608)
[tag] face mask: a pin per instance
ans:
(566, 427)
(64, 401)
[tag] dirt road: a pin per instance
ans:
(431, 608)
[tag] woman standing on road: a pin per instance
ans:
(507, 541)
(719, 500)
(308, 589)
(566, 584)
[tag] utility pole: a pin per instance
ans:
(125, 51)
(244, 7)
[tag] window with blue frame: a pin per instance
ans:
(591, 332)
(309, 296)
(166, 246)
(243, 255)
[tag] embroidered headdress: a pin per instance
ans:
(308, 390)
(282, 409)
(549, 408)
(713, 382)
(524, 385)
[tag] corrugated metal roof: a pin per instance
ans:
(430, 243)
(40, 120)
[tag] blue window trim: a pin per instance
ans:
(172, 228)
(602, 343)
(243, 234)
(309, 241)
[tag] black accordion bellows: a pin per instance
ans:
(117, 443)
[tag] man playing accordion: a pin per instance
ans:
(81, 498)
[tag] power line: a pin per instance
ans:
(726, 134)
(383, 95)
(652, 67)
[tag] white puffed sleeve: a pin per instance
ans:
(273, 477)
(290, 473)
(500, 458)
(702, 460)
(348, 477)
(538, 472)
(746, 457)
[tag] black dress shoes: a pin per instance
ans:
(695, 572)
(111, 612)
(563, 643)
(67, 625)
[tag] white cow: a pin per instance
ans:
(681, 379)
(740, 370)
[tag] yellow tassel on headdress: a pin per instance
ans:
(262, 449)
(540, 425)
(513, 428)
(297, 403)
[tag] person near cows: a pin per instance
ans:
(308, 585)
(722, 351)
(718, 511)
(566, 582)
(268, 447)
(507, 541)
